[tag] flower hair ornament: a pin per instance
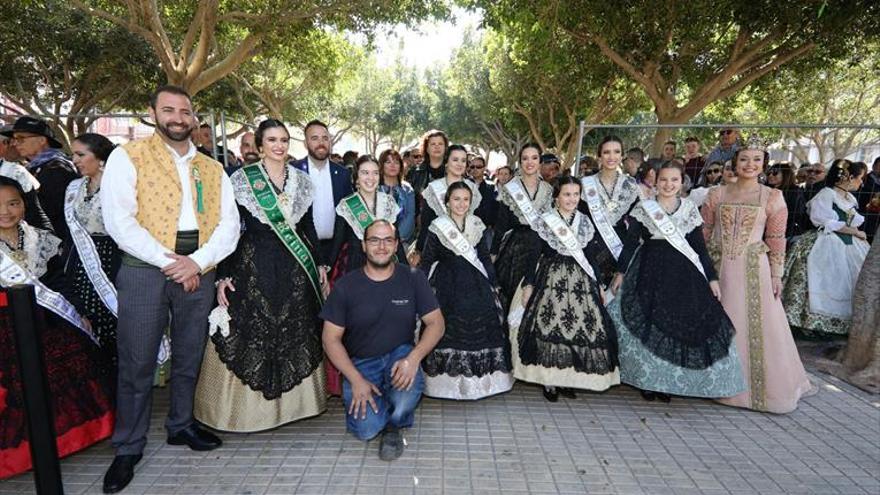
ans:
(844, 171)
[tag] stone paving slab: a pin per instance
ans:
(518, 443)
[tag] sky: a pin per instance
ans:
(426, 44)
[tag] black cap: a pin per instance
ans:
(549, 158)
(33, 125)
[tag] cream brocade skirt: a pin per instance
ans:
(225, 403)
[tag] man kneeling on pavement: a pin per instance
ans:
(369, 335)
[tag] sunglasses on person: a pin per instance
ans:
(774, 172)
(416, 156)
(713, 171)
(478, 166)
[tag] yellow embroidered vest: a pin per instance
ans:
(159, 190)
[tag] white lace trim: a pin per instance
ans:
(15, 171)
(581, 225)
(686, 218)
(473, 232)
(439, 208)
(626, 192)
(542, 202)
(88, 213)
(386, 209)
(298, 188)
(40, 246)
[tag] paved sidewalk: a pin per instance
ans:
(612, 443)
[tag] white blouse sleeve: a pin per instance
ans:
(822, 212)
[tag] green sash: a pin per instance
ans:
(268, 201)
(843, 217)
(359, 210)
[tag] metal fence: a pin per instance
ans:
(124, 127)
(797, 143)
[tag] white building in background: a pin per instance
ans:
(785, 152)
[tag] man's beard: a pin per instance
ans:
(380, 264)
(251, 157)
(314, 154)
(174, 135)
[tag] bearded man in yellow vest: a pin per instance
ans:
(172, 212)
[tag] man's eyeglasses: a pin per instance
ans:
(713, 171)
(375, 241)
(774, 172)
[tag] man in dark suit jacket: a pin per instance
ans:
(332, 182)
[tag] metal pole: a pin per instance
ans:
(223, 139)
(213, 138)
(35, 389)
(577, 159)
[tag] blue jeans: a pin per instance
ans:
(395, 406)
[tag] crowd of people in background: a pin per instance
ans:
(283, 280)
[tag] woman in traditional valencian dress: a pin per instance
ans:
(607, 198)
(566, 338)
(455, 164)
(354, 213)
(263, 364)
(744, 222)
(472, 360)
(673, 333)
(81, 401)
(93, 258)
(520, 203)
(823, 265)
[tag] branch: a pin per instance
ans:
(747, 79)
(246, 49)
(208, 24)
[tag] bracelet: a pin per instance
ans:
(217, 282)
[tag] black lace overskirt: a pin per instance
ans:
(565, 324)
(91, 306)
(475, 342)
(275, 334)
(668, 305)
(518, 248)
(79, 394)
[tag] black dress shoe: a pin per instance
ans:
(195, 438)
(664, 397)
(551, 394)
(120, 473)
(566, 392)
(648, 395)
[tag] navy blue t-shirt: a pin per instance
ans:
(379, 316)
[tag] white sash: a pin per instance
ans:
(670, 232)
(457, 239)
(600, 216)
(568, 238)
(438, 187)
(518, 193)
(46, 297)
(85, 247)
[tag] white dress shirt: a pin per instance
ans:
(120, 207)
(323, 206)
